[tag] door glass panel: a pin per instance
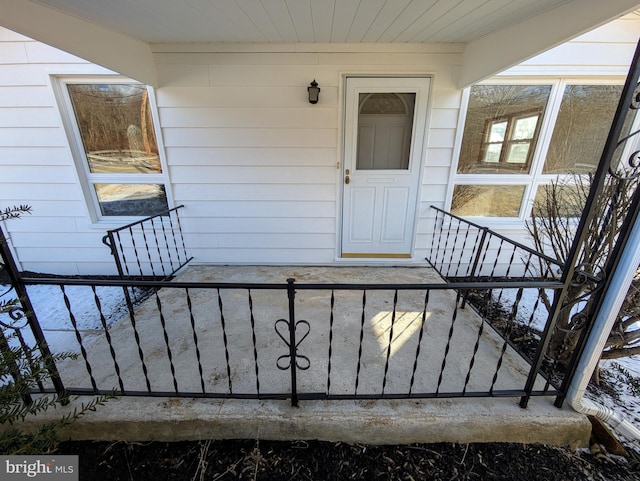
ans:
(385, 126)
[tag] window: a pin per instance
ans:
(501, 128)
(517, 138)
(119, 153)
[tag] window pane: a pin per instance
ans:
(131, 199)
(518, 153)
(487, 200)
(561, 200)
(583, 123)
(520, 107)
(116, 128)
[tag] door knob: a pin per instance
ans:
(346, 179)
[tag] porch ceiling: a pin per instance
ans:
(122, 35)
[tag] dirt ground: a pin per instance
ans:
(315, 460)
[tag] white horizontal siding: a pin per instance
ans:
(229, 192)
(264, 156)
(256, 166)
(259, 225)
(249, 175)
(32, 137)
(36, 167)
(35, 117)
(227, 137)
(209, 117)
(268, 209)
(253, 256)
(27, 155)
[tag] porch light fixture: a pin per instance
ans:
(314, 92)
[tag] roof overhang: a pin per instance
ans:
(493, 40)
(502, 49)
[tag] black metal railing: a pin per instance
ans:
(150, 247)
(463, 250)
(293, 341)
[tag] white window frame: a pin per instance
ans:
(86, 177)
(535, 177)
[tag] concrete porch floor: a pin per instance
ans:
(363, 421)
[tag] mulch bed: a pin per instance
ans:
(325, 461)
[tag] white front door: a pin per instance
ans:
(385, 122)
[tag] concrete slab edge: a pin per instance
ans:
(379, 422)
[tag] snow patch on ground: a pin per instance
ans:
(54, 318)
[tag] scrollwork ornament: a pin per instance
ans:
(584, 275)
(580, 278)
(579, 320)
(284, 362)
(626, 171)
(16, 313)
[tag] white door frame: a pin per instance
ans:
(353, 86)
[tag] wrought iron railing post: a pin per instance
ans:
(109, 241)
(27, 308)
(291, 295)
(608, 166)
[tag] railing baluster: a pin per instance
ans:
(166, 242)
(165, 334)
(453, 249)
(463, 249)
(124, 257)
(436, 230)
(477, 344)
(393, 321)
(507, 335)
(146, 244)
(420, 335)
(448, 346)
(112, 351)
(362, 320)
(255, 344)
(173, 236)
(155, 237)
(83, 351)
(332, 302)
(195, 339)
(225, 341)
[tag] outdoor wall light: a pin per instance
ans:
(314, 92)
